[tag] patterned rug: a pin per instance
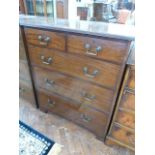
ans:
(31, 142)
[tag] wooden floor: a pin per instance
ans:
(75, 140)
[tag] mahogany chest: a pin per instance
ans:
(122, 127)
(77, 73)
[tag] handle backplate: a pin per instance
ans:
(45, 60)
(92, 52)
(87, 96)
(129, 90)
(51, 103)
(90, 75)
(49, 82)
(44, 40)
(86, 118)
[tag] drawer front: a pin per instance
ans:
(55, 104)
(24, 71)
(26, 92)
(123, 136)
(86, 117)
(93, 120)
(128, 101)
(101, 73)
(126, 119)
(131, 79)
(80, 91)
(115, 51)
(45, 39)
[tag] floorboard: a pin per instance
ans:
(74, 139)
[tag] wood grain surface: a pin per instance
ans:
(72, 88)
(111, 50)
(108, 73)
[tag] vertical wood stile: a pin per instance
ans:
(45, 8)
(22, 8)
(34, 7)
(25, 6)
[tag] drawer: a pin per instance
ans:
(126, 119)
(113, 142)
(102, 73)
(46, 39)
(24, 71)
(131, 78)
(26, 92)
(84, 116)
(93, 120)
(110, 50)
(128, 100)
(78, 90)
(123, 136)
(56, 104)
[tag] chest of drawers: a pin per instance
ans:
(122, 128)
(76, 75)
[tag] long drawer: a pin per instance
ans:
(45, 39)
(123, 136)
(84, 116)
(128, 99)
(126, 119)
(80, 91)
(102, 73)
(111, 50)
(131, 78)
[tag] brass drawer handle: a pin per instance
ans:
(88, 96)
(129, 90)
(85, 71)
(43, 40)
(49, 82)
(92, 52)
(51, 103)
(85, 118)
(47, 60)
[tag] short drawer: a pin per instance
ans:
(128, 99)
(26, 92)
(131, 78)
(102, 73)
(93, 120)
(115, 51)
(126, 119)
(24, 71)
(123, 135)
(78, 90)
(45, 39)
(56, 104)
